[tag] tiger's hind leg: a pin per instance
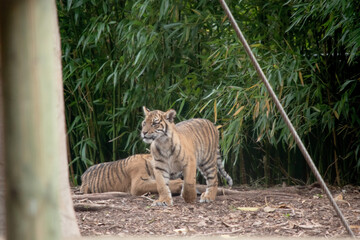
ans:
(142, 186)
(209, 171)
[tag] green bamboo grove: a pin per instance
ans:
(121, 55)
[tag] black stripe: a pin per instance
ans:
(210, 177)
(196, 135)
(122, 166)
(85, 177)
(159, 150)
(172, 149)
(94, 176)
(126, 160)
(202, 131)
(161, 169)
(105, 180)
(212, 133)
(207, 168)
(115, 169)
(99, 177)
(209, 135)
(147, 168)
(205, 163)
(160, 160)
(111, 176)
(177, 155)
(182, 160)
(165, 128)
(172, 145)
(91, 178)
(91, 172)
(111, 173)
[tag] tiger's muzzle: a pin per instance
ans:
(146, 138)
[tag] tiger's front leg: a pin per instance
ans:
(188, 192)
(162, 183)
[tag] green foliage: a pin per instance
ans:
(121, 55)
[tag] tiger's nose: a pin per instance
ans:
(144, 132)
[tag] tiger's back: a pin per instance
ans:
(205, 137)
(134, 175)
(115, 176)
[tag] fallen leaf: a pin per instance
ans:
(182, 231)
(230, 225)
(248, 209)
(269, 209)
(305, 226)
(257, 223)
(201, 224)
(339, 197)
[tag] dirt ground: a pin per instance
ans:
(296, 211)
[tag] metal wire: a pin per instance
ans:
(285, 117)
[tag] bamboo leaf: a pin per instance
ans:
(301, 78)
(345, 84)
(238, 111)
(256, 110)
(196, 11)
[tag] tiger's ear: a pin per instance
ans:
(146, 110)
(170, 115)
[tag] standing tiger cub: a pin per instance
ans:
(184, 147)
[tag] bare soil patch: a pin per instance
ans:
(278, 211)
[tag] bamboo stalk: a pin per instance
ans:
(114, 124)
(242, 167)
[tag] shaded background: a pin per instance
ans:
(121, 55)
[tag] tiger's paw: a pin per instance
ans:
(205, 198)
(162, 203)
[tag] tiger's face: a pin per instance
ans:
(155, 124)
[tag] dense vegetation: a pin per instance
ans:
(121, 55)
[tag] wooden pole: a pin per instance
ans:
(285, 116)
(32, 119)
(68, 223)
(2, 159)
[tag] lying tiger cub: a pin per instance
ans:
(134, 175)
(183, 147)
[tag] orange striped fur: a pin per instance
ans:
(134, 175)
(183, 147)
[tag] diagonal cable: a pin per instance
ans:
(284, 116)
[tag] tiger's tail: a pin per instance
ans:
(221, 169)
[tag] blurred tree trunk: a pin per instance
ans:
(2, 160)
(38, 200)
